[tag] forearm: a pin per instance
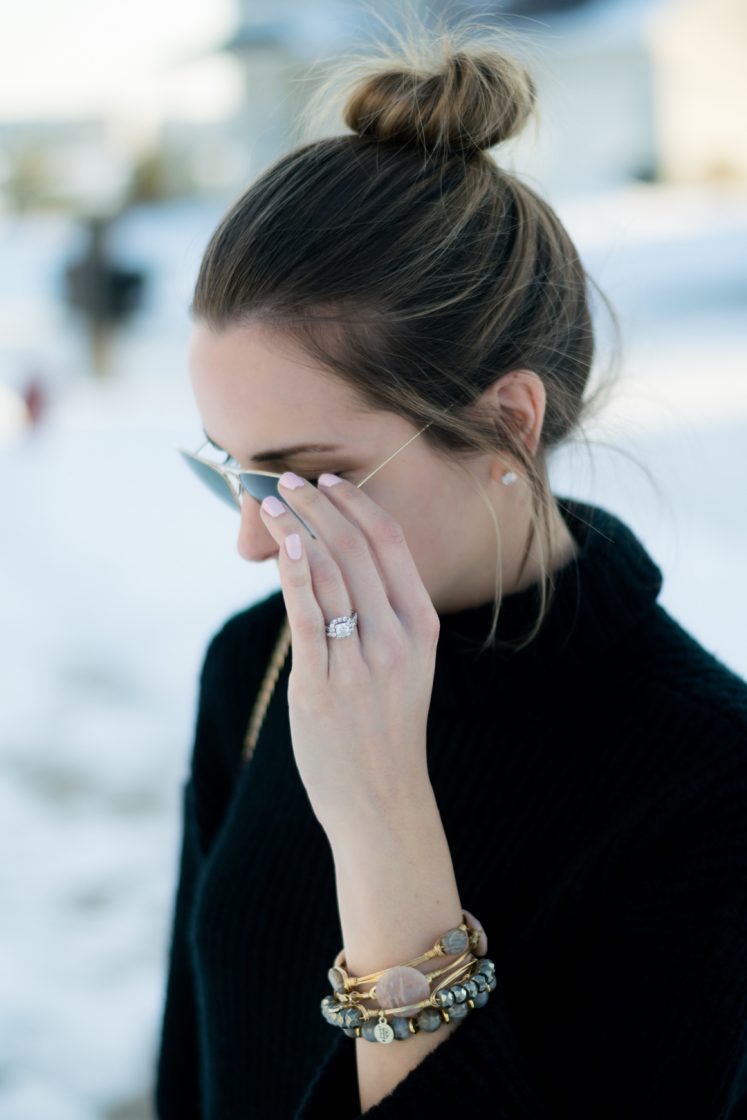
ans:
(396, 894)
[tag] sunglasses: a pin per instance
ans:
(230, 484)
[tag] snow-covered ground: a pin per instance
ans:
(115, 569)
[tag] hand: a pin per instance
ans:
(359, 705)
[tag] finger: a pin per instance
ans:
(305, 617)
(386, 541)
(344, 550)
(321, 576)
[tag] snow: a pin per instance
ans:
(115, 570)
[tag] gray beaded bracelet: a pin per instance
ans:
(454, 1002)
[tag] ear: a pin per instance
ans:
(520, 395)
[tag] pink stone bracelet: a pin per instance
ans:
(404, 988)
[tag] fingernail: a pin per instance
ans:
(328, 480)
(273, 506)
(293, 546)
(291, 481)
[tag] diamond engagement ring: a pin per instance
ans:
(343, 626)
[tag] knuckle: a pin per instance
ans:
(427, 618)
(351, 544)
(306, 625)
(390, 531)
(390, 651)
(302, 696)
(326, 573)
(295, 577)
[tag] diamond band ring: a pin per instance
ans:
(343, 626)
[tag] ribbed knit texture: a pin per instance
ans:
(593, 791)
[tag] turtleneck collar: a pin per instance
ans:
(600, 593)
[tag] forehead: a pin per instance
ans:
(250, 372)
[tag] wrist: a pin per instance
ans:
(397, 817)
(396, 887)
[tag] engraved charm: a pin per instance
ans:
(383, 1032)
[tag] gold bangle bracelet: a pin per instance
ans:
(436, 950)
(454, 968)
(377, 1013)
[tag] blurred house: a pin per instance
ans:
(628, 89)
(79, 163)
(699, 48)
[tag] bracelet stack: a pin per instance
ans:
(406, 1002)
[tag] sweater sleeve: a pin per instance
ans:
(481, 1064)
(205, 793)
(657, 1027)
(177, 1089)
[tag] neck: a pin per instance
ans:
(479, 587)
(563, 546)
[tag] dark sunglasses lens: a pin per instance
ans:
(260, 486)
(213, 479)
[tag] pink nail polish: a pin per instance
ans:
(273, 506)
(293, 546)
(291, 481)
(328, 480)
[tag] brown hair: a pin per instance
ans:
(406, 262)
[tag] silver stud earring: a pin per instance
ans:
(508, 478)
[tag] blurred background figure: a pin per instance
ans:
(35, 398)
(125, 133)
(105, 293)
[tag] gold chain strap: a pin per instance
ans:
(266, 689)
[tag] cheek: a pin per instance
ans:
(425, 505)
(441, 527)
(427, 533)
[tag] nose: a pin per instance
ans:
(255, 542)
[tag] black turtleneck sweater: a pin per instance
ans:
(593, 791)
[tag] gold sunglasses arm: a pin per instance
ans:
(236, 472)
(404, 445)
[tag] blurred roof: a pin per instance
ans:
(309, 25)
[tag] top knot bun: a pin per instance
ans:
(475, 98)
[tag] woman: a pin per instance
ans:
(483, 705)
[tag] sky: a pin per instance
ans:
(134, 60)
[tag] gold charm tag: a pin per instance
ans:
(382, 1031)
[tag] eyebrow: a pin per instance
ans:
(280, 454)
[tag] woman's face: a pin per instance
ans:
(256, 394)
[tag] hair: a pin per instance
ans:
(407, 263)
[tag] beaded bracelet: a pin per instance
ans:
(457, 975)
(461, 972)
(341, 1008)
(454, 1002)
